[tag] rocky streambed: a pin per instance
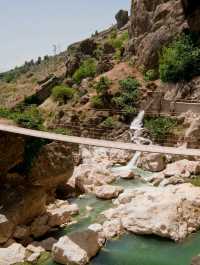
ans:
(109, 216)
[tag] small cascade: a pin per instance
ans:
(136, 130)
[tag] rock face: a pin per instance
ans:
(77, 249)
(11, 151)
(23, 196)
(53, 166)
(171, 212)
(156, 23)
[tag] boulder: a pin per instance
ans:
(152, 162)
(196, 260)
(171, 212)
(108, 192)
(112, 228)
(182, 168)
(15, 253)
(122, 18)
(65, 251)
(53, 165)
(87, 240)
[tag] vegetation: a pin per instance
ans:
(150, 75)
(102, 98)
(126, 99)
(97, 102)
(87, 69)
(102, 86)
(195, 181)
(160, 127)
(180, 60)
(110, 122)
(29, 118)
(62, 93)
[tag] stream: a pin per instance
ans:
(131, 249)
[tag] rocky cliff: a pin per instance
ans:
(24, 194)
(155, 23)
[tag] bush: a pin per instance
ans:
(102, 86)
(159, 127)
(126, 99)
(87, 69)
(97, 102)
(150, 75)
(30, 118)
(180, 60)
(62, 93)
(109, 123)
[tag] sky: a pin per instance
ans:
(30, 28)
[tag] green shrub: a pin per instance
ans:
(62, 93)
(150, 75)
(109, 122)
(97, 102)
(30, 118)
(103, 85)
(160, 127)
(180, 60)
(126, 99)
(87, 69)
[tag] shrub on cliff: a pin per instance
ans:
(126, 98)
(180, 60)
(87, 69)
(103, 85)
(62, 93)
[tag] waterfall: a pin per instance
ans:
(136, 129)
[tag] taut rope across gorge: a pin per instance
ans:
(100, 143)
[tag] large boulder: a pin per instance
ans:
(108, 192)
(171, 212)
(76, 249)
(53, 165)
(152, 162)
(122, 18)
(15, 253)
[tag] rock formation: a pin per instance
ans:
(25, 195)
(156, 23)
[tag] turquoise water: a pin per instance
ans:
(131, 249)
